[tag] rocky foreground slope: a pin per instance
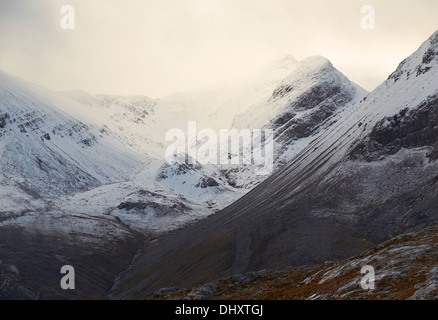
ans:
(405, 268)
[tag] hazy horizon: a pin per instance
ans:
(157, 47)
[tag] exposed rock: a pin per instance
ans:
(157, 208)
(207, 182)
(177, 169)
(166, 292)
(203, 292)
(3, 120)
(407, 129)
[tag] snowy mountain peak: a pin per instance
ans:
(307, 101)
(310, 72)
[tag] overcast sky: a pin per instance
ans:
(156, 47)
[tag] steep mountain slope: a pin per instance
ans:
(46, 152)
(329, 202)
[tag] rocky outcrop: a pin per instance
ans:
(408, 129)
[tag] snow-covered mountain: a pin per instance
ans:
(308, 101)
(78, 153)
(405, 269)
(368, 177)
(84, 178)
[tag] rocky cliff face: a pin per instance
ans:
(407, 129)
